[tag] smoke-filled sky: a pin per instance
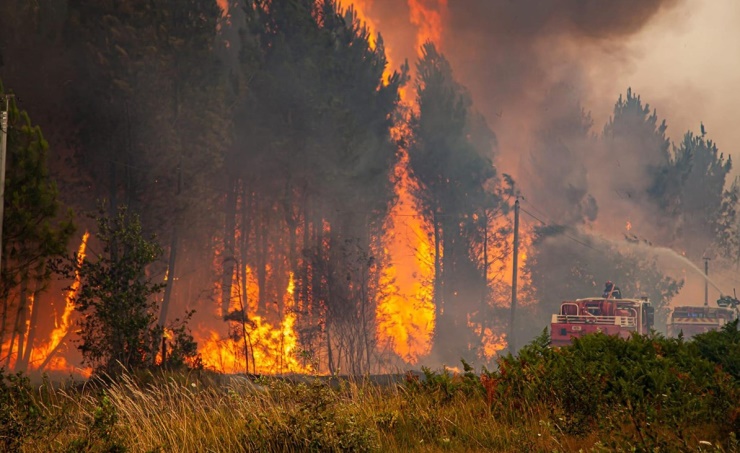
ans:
(687, 64)
(531, 64)
(679, 55)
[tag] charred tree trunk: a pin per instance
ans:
(22, 332)
(484, 288)
(329, 353)
(228, 253)
(18, 325)
(174, 244)
(306, 257)
(113, 190)
(53, 353)
(6, 307)
(175, 240)
(438, 300)
(246, 231)
(6, 304)
(450, 235)
(262, 229)
(24, 361)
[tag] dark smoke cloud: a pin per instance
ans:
(594, 19)
(529, 65)
(508, 49)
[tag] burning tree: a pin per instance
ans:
(310, 177)
(118, 329)
(453, 172)
(155, 131)
(702, 193)
(33, 233)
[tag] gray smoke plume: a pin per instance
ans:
(531, 66)
(527, 64)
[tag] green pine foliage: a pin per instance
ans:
(35, 230)
(449, 149)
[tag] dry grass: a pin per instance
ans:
(190, 413)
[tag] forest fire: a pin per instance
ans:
(352, 213)
(427, 16)
(406, 310)
(49, 354)
(254, 344)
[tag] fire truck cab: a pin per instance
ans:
(610, 316)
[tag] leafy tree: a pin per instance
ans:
(159, 96)
(559, 161)
(453, 173)
(727, 241)
(115, 296)
(34, 231)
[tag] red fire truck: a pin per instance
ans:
(611, 316)
(692, 321)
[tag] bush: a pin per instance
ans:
(20, 416)
(662, 389)
(101, 433)
(310, 418)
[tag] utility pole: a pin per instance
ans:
(3, 151)
(484, 290)
(514, 277)
(170, 265)
(706, 281)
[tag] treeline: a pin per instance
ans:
(669, 203)
(265, 149)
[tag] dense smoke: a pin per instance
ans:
(531, 66)
(304, 193)
(527, 64)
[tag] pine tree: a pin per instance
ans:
(703, 171)
(34, 231)
(453, 175)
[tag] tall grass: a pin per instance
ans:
(602, 394)
(174, 413)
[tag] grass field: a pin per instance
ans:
(602, 394)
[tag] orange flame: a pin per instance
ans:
(406, 313)
(224, 5)
(270, 348)
(427, 16)
(361, 7)
(62, 325)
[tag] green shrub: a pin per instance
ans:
(308, 417)
(100, 435)
(660, 389)
(721, 347)
(20, 415)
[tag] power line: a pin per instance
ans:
(533, 216)
(539, 211)
(552, 224)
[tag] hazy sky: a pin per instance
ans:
(686, 63)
